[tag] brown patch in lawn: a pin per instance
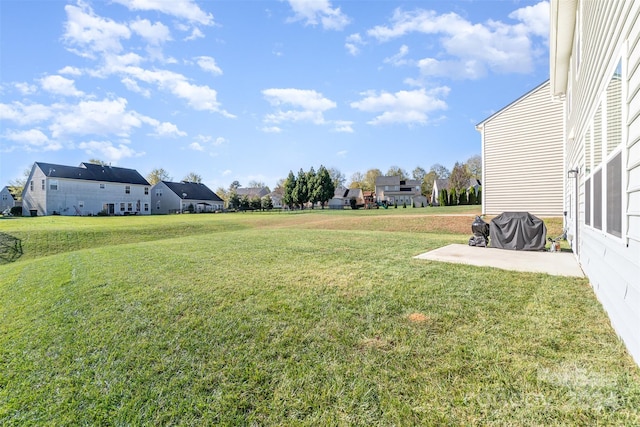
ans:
(418, 318)
(377, 343)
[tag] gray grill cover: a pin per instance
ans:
(518, 231)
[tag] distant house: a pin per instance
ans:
(176, 197)
(595, 75)
(87, 189)
(395, 190)
(7, 199)
(252, 192)
(276, 199)
(438, 186)
(522, 156)
(342, 198)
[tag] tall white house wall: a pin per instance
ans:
(81, 197)
(522, 157)
(607, 33)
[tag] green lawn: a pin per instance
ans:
(314, 318)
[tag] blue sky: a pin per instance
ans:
(248, 90)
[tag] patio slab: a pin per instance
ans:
(554, 263)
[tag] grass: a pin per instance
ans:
(318, 318)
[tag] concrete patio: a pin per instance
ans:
(554, 263)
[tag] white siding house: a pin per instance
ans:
(522, 156)
(7, 199)
(84, 190)
(595, 73)
(394, 189)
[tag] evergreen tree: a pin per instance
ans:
(325, 186)
(289, 187)
(312, 189)
(267, 203)
(234, 200)
(301, 190)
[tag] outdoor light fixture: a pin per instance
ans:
(573, 173)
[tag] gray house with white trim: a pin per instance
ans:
(176, 197)
(87, 189)
(595, 77)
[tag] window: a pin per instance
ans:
(614, 195)
(53, 184)
(102, 186)
(146, 207)
(597, 200)
(587, 202)
(43, 184)
(158, 192)
(604, 156)
(130, 207)
(122, 207)
(127, 189)
(80, 204)
(146, 190)
(31, 185)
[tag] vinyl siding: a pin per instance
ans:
(522, 156)
(609, 33)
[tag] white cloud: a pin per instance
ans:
(91, 33)
(22, 114)
(106, 150)
(195, 34)
(271, 129)
(313, 12)
(183, 9)
(73, 71)
(398, 58)
(207, 63)
(408, 107)
(535, 18)
(198, 97)
(32, 140)
(169, 129)
(343, 126)
(60, 86)
(26, 88)
(226, 172)
(471, 50)
(305, 99)
(106, 117)
(155, 34)
(342, 153)
(353, 43)
(195, 146)
(133, 86)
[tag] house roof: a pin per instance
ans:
(480, 125)
(92, 172)
(192, 191)
(252, 191)
(442, 184)
(11, 191)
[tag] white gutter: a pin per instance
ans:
(562, 27)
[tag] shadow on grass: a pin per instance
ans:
(10, 248)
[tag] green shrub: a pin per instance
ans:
(16, 211)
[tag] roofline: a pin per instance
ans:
(562, 27)
(481, 124)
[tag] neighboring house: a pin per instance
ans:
(522, 156)
(85, 190)
(342, 198)
(252, 192)
(276, 199)
(595, 72)
(176, 197)
(438, 185)
(7, 199)
(394, 189)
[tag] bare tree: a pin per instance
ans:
(192, 177)
(157, 175)
(474, 166)
(337, 177)
(397, 171)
